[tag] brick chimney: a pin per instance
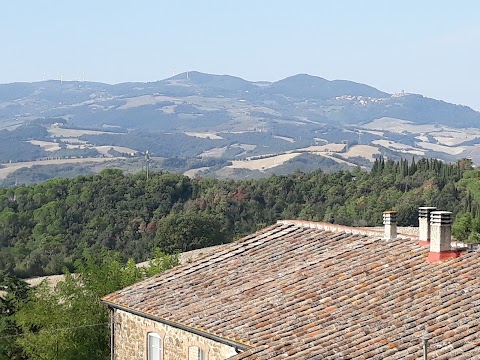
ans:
(390, 222)
(424, 225)
(441, 237)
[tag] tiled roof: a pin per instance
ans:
(299, 291)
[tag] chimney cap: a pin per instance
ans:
(425, 211)
(441, 217)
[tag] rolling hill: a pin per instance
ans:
(206, 121)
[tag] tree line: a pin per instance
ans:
(47, 227)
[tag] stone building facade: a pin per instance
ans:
(130, 340)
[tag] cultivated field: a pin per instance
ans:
(455, 137)
(214, 153)
(204, 135)
(104, 150)
(373, 132)
(446, 140)
(262, 164)
(246, 147)
(46, 145)
(395, 146)
(144, 100)
(422, 138)
(290, 140)
(69, 133)
(401, 126)
(442, 148)
(365, 151)
(324, 148)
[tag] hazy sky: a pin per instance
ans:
(422, 46)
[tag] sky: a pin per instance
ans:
(423, 46)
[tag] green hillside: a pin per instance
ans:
(48, 226)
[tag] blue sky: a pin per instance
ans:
(424, 46)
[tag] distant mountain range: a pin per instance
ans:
(300, 96)
(196, 116)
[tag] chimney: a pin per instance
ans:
(441, 237)
(390, 222)
(424, 225)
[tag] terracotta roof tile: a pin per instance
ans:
(299, 291)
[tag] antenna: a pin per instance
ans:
(61, 78)
(44, 77)
(147, 162)
(425, 346)
(173, 71)
(84, 76)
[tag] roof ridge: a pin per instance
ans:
(341, 228)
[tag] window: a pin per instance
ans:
(195, 353)
(154, 347)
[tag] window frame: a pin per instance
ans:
(201, 354)
(197, 351)
(149, 345)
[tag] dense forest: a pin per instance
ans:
(87, 228)
(46, 227)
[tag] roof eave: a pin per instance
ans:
(237, 345)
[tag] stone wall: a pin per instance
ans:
(131, 340)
